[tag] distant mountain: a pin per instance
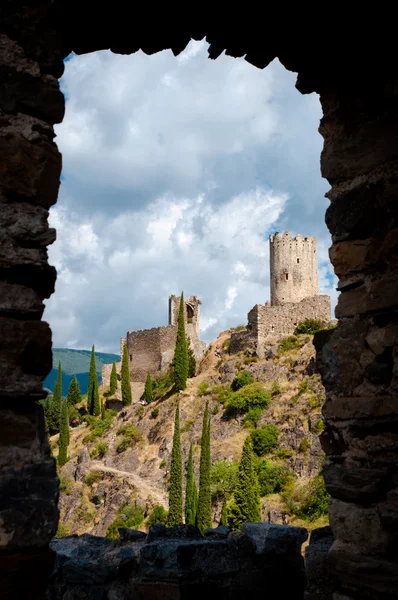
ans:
(76, 363)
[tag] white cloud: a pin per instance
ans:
(175, 171)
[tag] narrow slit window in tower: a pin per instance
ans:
(298, 261)
(131, 358)
(286, 276)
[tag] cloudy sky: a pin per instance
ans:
(175, 172)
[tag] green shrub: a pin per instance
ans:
(129, 515)
(264, 439)
(275, 388)
(187, 426)
(131, 435)
(215, 409)
(284, 453)
(140, 412)
(155, 413)
(161, 383)
(289, 343)
(315, 503)
(203, 388)
(250, 396)
(250, 359)
(93, 477)
(99, 450)
(65, 484)
(304, 445)
(98, 426)
(241, 379)
(238, 366)
(226, 344)
(220, 393)
(272, 478)
(62, 530)
(318, 426)
(223, 476)
(158, 516)
(309, 326)
(239, 328)
(163, 464)
(253, 417)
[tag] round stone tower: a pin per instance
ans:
(293, 268)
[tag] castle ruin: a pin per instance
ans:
(294, 294)
(153, 349)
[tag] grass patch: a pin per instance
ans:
(93, 477)
(203, 388)
(65, 485)
(187, 426)
(304, 445)
(163, 464)
(99, 450)
(98, 425)
(131, 435)
(161, 383)
(62, 530)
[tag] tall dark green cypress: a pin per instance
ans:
(53, 404)
(180, 361)
(224, 513)
(175, 492)
(148, 392)
(204, 515)
(93, 401)
(191, 360)
(113, 380)
(126, 384)
(191, 493)
(73, 397)
(245, 505)
(63, 441)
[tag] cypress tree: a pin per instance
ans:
(73, 397)
(191, 361)
(204, 517)
(224, 513)
(113, 380)
(190, 492)
(53, 405)
(126, 385)
(93, 401)
(245, 505)
(148, 392)
(175, 492)
(180, 361)
(63, 441)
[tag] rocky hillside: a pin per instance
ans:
(118, 467)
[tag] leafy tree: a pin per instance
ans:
(245, 505)
(191, 493)
(180, 360)
(223, 476)
(264, 439)
(253, 416)
(309, 326)
(175, 491)
(249, 396)
(126, 384)
(73, 397)
(191, 361)
(204, 517)
(93, 401)
(113, 380)
(272, 478)
(241, 379)
(148, 392)
(63, 441)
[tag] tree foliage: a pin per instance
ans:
(180, 360)
(73, 397)
(245, 505)
(63, 441)
(191, 493)
(93, 401)
(265, 439)
(126, 384)
(204, 516)
(309, 326)
(148, 392)
(175, 491)
(158, 516)
(223, 476)
(241, 379)
(249, 396)
(113, 380)
(272, 478)
(191, 361)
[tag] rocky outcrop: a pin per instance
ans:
(179, 563)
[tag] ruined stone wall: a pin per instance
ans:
(268, 323)
(191, 314)
(293, 268)
(150, 350)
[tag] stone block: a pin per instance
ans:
(25, 357)
(355, 484)
(320, 581)
(377, 293)
(269, 538)
(16, 300)
(354, 256)
(368, 407)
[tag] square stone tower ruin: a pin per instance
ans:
(294, 294)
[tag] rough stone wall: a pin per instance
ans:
(268, 323)
(359, 360)
(293, 268)
(191, 315)
(150, 350)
